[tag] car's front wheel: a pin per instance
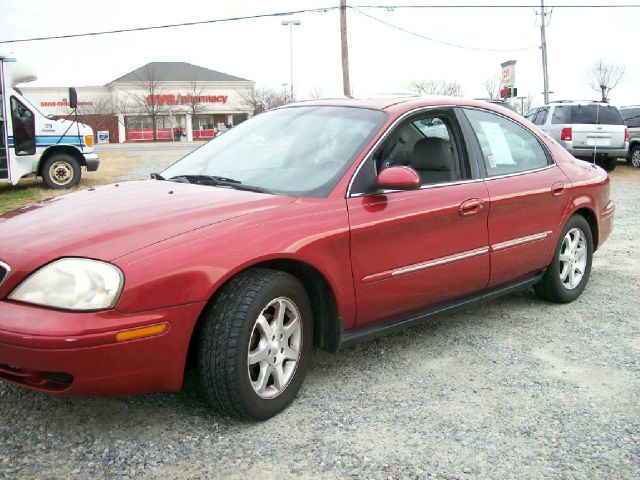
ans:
(255, 344)
(568, 274)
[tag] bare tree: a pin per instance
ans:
(316, 92)
(522, 104)
(436, 87)
(151, 102)
(263, 99)
(604, 77)
(193, 98)
(492, 87)
(95, 106)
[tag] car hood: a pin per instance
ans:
(109, 221)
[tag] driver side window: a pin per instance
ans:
(427, 143)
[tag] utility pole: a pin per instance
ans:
(346, 86)
(543, 36)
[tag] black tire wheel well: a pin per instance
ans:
(590, 217)
(326, 325)
(72, 151)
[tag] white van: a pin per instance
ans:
(33, 143)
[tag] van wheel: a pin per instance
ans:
(568, 274)
(60, 171)
(635, 156)
(255, 344)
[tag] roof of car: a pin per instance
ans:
(385, 102)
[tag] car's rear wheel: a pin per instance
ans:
(635, 156)
(568, 274)
(610, 164)
(255, 344)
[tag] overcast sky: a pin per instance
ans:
(382, 59)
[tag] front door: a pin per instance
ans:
(4, 151)
(412, 250)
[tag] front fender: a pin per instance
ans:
(190, 268)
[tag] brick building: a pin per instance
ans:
(168, 100)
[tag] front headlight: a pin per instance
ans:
(72, 284)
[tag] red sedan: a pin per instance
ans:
(319, 224)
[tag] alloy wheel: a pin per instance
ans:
(275, 347)
(573, 258)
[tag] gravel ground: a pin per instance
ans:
(517, 388)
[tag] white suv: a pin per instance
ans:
(588, 130)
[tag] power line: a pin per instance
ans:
(173, 25)
(311, 10)
(441, 42)
(475, 5)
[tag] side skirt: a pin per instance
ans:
(351, 337)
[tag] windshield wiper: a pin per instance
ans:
(156, 176)
(216, 181)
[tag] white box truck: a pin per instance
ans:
(32, 143)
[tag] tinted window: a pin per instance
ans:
(541, 117)
(561, 114)
(530, 114)
(596, 114)
(631, 116)
(506, 146)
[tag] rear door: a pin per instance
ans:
(527, 196)
(597, 125)
(4, 151)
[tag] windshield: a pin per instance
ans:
(28, 102)
(296, 151)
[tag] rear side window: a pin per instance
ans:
(631, 117)
(561, 114)
(541, 117)
(596, 114)
(506, 146)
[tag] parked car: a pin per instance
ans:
(273, 239)
(631, 115)
(588, 130)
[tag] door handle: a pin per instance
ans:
(470, 207)
(557, 188)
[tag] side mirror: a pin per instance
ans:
(398, 178)
(73, 98)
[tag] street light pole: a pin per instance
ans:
(291, 23)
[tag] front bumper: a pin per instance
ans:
(78, 354)
(92, 161)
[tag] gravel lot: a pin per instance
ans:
(517, 388)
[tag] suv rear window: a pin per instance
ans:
(631, 116)
(587, 114)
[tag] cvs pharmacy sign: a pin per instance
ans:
(173, 99)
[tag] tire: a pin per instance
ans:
(235, 324)
(61, 171)
(559, 284)
(634, 159)
(610, 164)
